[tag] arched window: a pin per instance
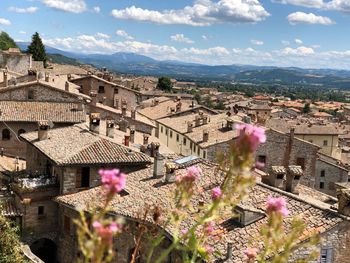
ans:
(20, 131)
(5, 134)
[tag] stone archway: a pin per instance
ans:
(45, 249)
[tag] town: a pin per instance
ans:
(156, 160)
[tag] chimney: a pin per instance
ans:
(132, 134)
(133, 113)
(154, 149)
(93, 96)
(294, 173)
(205, 135)
(158, 166)
(69, 77)
(289, 146)
(126, 140)
(189, 127)
(178, 106)
(95, 122)
(47, 77)
(80, 104)
(197, 120)
(66, 86)
(205, 119)
(156, 101)
(104, 99)
(145, 139)
(110, 128)
(43, 130)
(116, 103)
(5, 76)
(192, 104)
(343, 196)
(169, 172)
(276, 177)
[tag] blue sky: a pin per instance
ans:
(304, 33)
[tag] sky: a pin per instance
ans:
(302, 33)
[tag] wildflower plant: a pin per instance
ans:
(195, 241)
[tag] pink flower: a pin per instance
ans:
(255, 135)
(209, 227)
(209, 249)
(193, 173)
(251, 253)
(278, 205)
(184, 231)
(106, 232)
(113, 180)
(216, 193)
(259, 165)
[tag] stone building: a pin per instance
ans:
(283, 150)
(329, 171)
(23, 105)
(16, 61)
(62, 161)
(259, 113)
(107, 92)
(147, 187)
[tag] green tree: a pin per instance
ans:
(164, 83)
(6, 41)
(37, 49)
(10, 250)
(306, 108)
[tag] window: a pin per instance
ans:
(321, 185)
(184, 141)
(83, 178)
(66, 224)
(301, 162)
(171, 134)
(323, 173)
(6, 134)
(166, 131)
(280, 176)
(190, 145)
(204, 154)
(325, 143)
(198, 151)
(116, 91)
(101, 89)
(161, 129)
(41, 210)
(177, 137)
(326, 255)
(30, 94)
(262, 159)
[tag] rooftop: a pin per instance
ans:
(34, 111)
(143, 190)
(76, 145)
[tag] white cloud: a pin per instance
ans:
(29, 10)
(4, 21)
(301, 56)
(340, 5)
(204, 37)
(285, 42)
(22, 32)
(201, 13)
(308, 18)
(298, 41)
(73, 6)
(123, 34)
(102, 35)
(299, 51)
(304, 3)
(257, 42)
(181, 38)
(96, 9)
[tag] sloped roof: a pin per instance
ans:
(146, 191)
(34, 111)
(76, 145)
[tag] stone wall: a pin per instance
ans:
(41, 93)
(17, 62)
(213, 150)
(327, 174)
(279, 152)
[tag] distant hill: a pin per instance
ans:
(60, 59)
(6, 41)
(131, 63)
